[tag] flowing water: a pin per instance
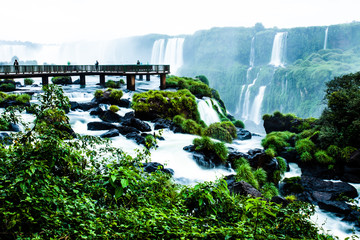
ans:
(326, 37)
(279, 50)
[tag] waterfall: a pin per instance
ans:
(252, 53)
(279, 50)
(238, 106)
(326, 37)
(157, 55)
(207, 112)
(255, 115)
(246, 105)
(172, 54)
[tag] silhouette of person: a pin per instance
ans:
(16, 65)
(96, 65)
(138, 62)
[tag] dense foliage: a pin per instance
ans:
(61, 80)
(167, 104)
(52, 188)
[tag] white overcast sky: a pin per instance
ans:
(56, 21)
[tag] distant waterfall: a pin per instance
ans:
(279, 50)
(252, 53)
(157, 55)
(172, 54)
(246, 105)
(255, 115)
(238, 106)
(207, 112)
(326, 37)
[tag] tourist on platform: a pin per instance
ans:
(138, 62)
(16, 65)
(96, 65)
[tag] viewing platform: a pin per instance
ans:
(46, 71)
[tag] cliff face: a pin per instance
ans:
(307, 58)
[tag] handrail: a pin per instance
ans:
(48, 69)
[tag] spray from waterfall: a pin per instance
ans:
(278, 53)
(207, 112)
(326, 37)
(170, 53)
(255, 115)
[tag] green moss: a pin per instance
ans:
(282, 164)
(98, 93)
(245, 173)
(217, 131)
(112, 84)
(114, 108)
(61, 80)
(277, 140)
(23, 98)
(239, 124)
(322, 158)
(217, 148)
(167, 104)
(28, 81)
(305, 145)
(190, 126)
(116, 95)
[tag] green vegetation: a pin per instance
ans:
(113, 84)
(217, 149)
(239, 124)
(277, 141)
(51, 188)
(223, 131)
(114, 108)
(20, 99)
(61, 80)
(28, 81)
(167, 104)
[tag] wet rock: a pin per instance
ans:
(136, 137)
(96, 111)
(243, 188)
(82, 106)
(110, 133)
(243, 134)
(138, 124)
(100, 126)
(5, 138)
(155, 166)
(110, 116)
(280, 200)
(125, 130)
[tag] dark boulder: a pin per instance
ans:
(96, 111)
(243, 188)
(204, 158)
(125, 130)
(243, 134)
(155, 166)
(110, 133)
(136, 137)
(147, 116)
(8, 103)
(14, 127)
(100, 126)
(82, 106)
(282, 123)
(279, 200)
(162, 123)
(235, 155)
(138, 124)
(110, 116)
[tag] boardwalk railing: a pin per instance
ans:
(126, 69)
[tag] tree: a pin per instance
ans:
(340, 121)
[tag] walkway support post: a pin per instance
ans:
(130, 81)
(141, 77)
(102, 79)
(45, 80)
(163, 81)
(82, 79)
(148, 77)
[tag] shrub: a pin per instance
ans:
(261, 176)
(203, 79)
(306, 157)
(61, 80)
(270, 152)
(112, 84)
(4, 125)
(277, 140)
(215, 130)
(28, 81)
(269, 190)
(217, 148)
(99, 93)
(322, 158)
(245, 173)
(305, 145)
(114, 108)
(239, 124)
(23, 98)
(116, 95)
(190, 126)
(7, 87)
(178, 120)
(282, 164)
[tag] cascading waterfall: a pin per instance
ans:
(256, 107)
(157, 55)
(171, 54)
(238, 106)
(279, 50)
(207, 112)
(326, 37)
(246, 106)
(174, 54)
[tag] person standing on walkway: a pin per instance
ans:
(16, 65)
(96, 65)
